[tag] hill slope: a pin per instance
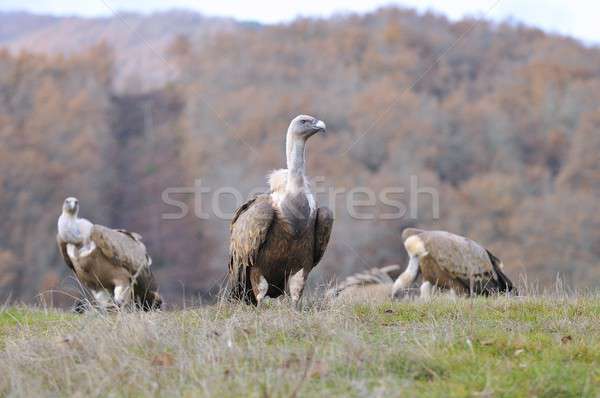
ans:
(139, 41)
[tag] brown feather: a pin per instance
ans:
(62, 246)
(408, 232)
(249, 227)
(121, 247)
(125, 249)
(119, 257)
(374, 276)
(456, 262)
(323, 227)
(264, 239)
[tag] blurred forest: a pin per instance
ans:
(502, 120)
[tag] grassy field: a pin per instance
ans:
(485, 347)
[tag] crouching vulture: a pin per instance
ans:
(374, 280)
(450, 262)
(277, 238)
(370, 285)
(113, 263)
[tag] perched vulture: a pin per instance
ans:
(112, 263)
(450, 262)
(277, 238)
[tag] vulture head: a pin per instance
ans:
(71, 206)
(305, 126)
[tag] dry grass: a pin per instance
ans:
(538, 346)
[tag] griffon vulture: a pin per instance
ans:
(375, 283)
(112, 263)
(450, 262)
(279, 237)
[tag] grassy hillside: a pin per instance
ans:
(539, 346)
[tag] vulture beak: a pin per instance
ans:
(320, 126)
(70, 206)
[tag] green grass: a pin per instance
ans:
(13, 320)
(488, 347)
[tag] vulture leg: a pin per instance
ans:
(260, 286)
(103, 299)
(122, 294)
(296, 283)
(426, 290)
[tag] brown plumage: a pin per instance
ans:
(453, 262)
(374, 285)
(277, 238)
(374, 279)
(112, 263)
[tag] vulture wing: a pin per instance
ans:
(393, 271)
(504, 283)
(373, 276)
(249, 228)
(62, 246)
(463, 259)
(123, 248)
(408, 232)
(323, 227)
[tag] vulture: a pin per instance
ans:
(450, 262)
(277, 238)
(370, 284)
(113, 263)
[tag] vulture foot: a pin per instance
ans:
(122, 295)
(426, 290)
(296, 283)
(260, 286)
(104, 300)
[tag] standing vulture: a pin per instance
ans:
(112, 263)
(452, 262)
(279, 237)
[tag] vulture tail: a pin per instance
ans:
(504, 284)
(151, 301)
(145, 291)
(239, 287)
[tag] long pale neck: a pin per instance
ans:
(69, 217)
(295, 162)
(68, 228)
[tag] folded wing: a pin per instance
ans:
(122, 248)
(323, 227)
(464, 260)
(62, 247)
(249, 229)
